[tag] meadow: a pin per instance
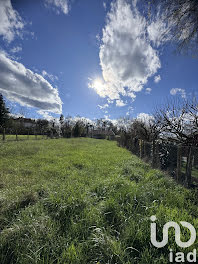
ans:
(85, 201)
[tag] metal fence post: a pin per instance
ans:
(179, 162)
(188, 167)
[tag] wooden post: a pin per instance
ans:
(144, 145)
(16, 135)
(196, 158)
(51, 134)
(153, 153)
(4, 134)
(179, 162)
(157, 156)
(141, 147)
(188, 167)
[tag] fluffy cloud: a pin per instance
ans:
(180, 91)
(103, 106)
(126, 56)
(58, 5)
(11, 23)
(157, 78)
(120, 103)
(158, 31)
(144, 117)
(27, 88)
(148, 90)
(16, 49)
(45, 115)
(50, 76)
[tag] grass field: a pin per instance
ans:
(85, 201)
(20, 137)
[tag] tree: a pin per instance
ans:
(147, 130)
(79, 129)
(181, 16)
(42, 126)
(179, 119)
(61, 121)
(4, 115)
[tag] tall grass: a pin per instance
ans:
(84, 201)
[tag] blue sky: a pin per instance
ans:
(91, 58)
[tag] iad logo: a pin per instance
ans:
(179, 256)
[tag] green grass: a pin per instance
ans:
(84, 201)
(20, 137)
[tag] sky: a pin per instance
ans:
(90, 58)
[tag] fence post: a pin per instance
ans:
(153, 153)
(188, 167)
(179, 162)
(141, 148)
(16, 135)
(4, 134)
(157, 157)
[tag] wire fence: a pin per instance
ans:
(179, 161)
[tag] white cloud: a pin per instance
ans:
(27, 88)
(180, 91)
(120, 103)
(16, 49)
(158, 30)
(45, 115)
(144, 117)
(11, 23)
(58, 5)
(148, 90)
(157, 78)
(126, 57)
(103, 106)
(50, 76)
(106, 117)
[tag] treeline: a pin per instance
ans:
(64, 127)
(176, 122)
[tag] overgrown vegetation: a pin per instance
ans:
(84, 201)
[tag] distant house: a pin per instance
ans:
(102, 134)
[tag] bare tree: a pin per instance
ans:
(178, 119)
(182, 18)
